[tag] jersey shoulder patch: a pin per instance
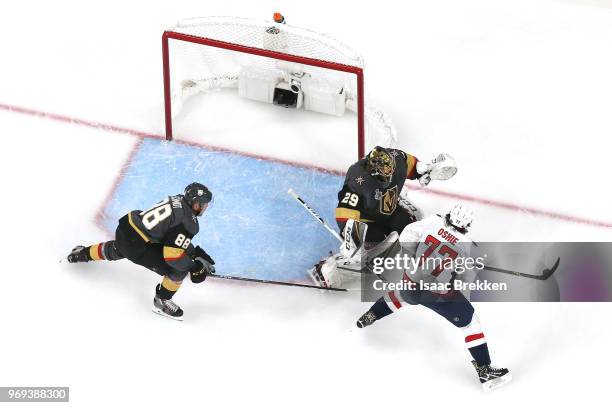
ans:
(398, 153)
(357, 177)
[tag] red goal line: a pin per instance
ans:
(464, 197)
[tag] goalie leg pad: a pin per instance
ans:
(335, 272)
(354, 234)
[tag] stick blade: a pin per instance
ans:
(547, 273)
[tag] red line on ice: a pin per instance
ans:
(514, 207)
(145, 135)
(99, 219)
(428, 190)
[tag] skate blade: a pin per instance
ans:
(161, 313)
(496, 383)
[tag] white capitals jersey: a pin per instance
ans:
(432, 244)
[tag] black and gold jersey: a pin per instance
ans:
(367, 198)
(172, 224)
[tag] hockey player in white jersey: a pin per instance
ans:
(431, 285)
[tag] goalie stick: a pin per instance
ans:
(315, 214)
(546, 273)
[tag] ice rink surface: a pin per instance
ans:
(251, 211)
(518, 91)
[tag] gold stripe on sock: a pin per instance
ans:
(94, 252)
(171, 285)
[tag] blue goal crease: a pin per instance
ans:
(253, 227)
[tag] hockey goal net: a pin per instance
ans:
(270, 62)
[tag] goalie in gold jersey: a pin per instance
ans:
(372, 205)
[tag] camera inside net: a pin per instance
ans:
(288, 94)
(292, 90)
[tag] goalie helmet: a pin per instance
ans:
(196, 192)
(381, 163)
(460, 217)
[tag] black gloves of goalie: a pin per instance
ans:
(200, 253)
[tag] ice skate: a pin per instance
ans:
(167, 308)
(491, 377)
(78, 254)
(367, 319)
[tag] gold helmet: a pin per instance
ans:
(381, 163)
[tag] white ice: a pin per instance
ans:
(520, 93)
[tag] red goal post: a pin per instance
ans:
(190, 32)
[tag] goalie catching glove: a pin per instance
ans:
(441, 167)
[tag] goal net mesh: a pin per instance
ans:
(196, 68)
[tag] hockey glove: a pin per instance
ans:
(200, 253)
(442, 167)
(200, 271)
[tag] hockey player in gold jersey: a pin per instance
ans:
(160, 239)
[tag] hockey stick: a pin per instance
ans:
(273, 282)
(546, 273)
(315, 214)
